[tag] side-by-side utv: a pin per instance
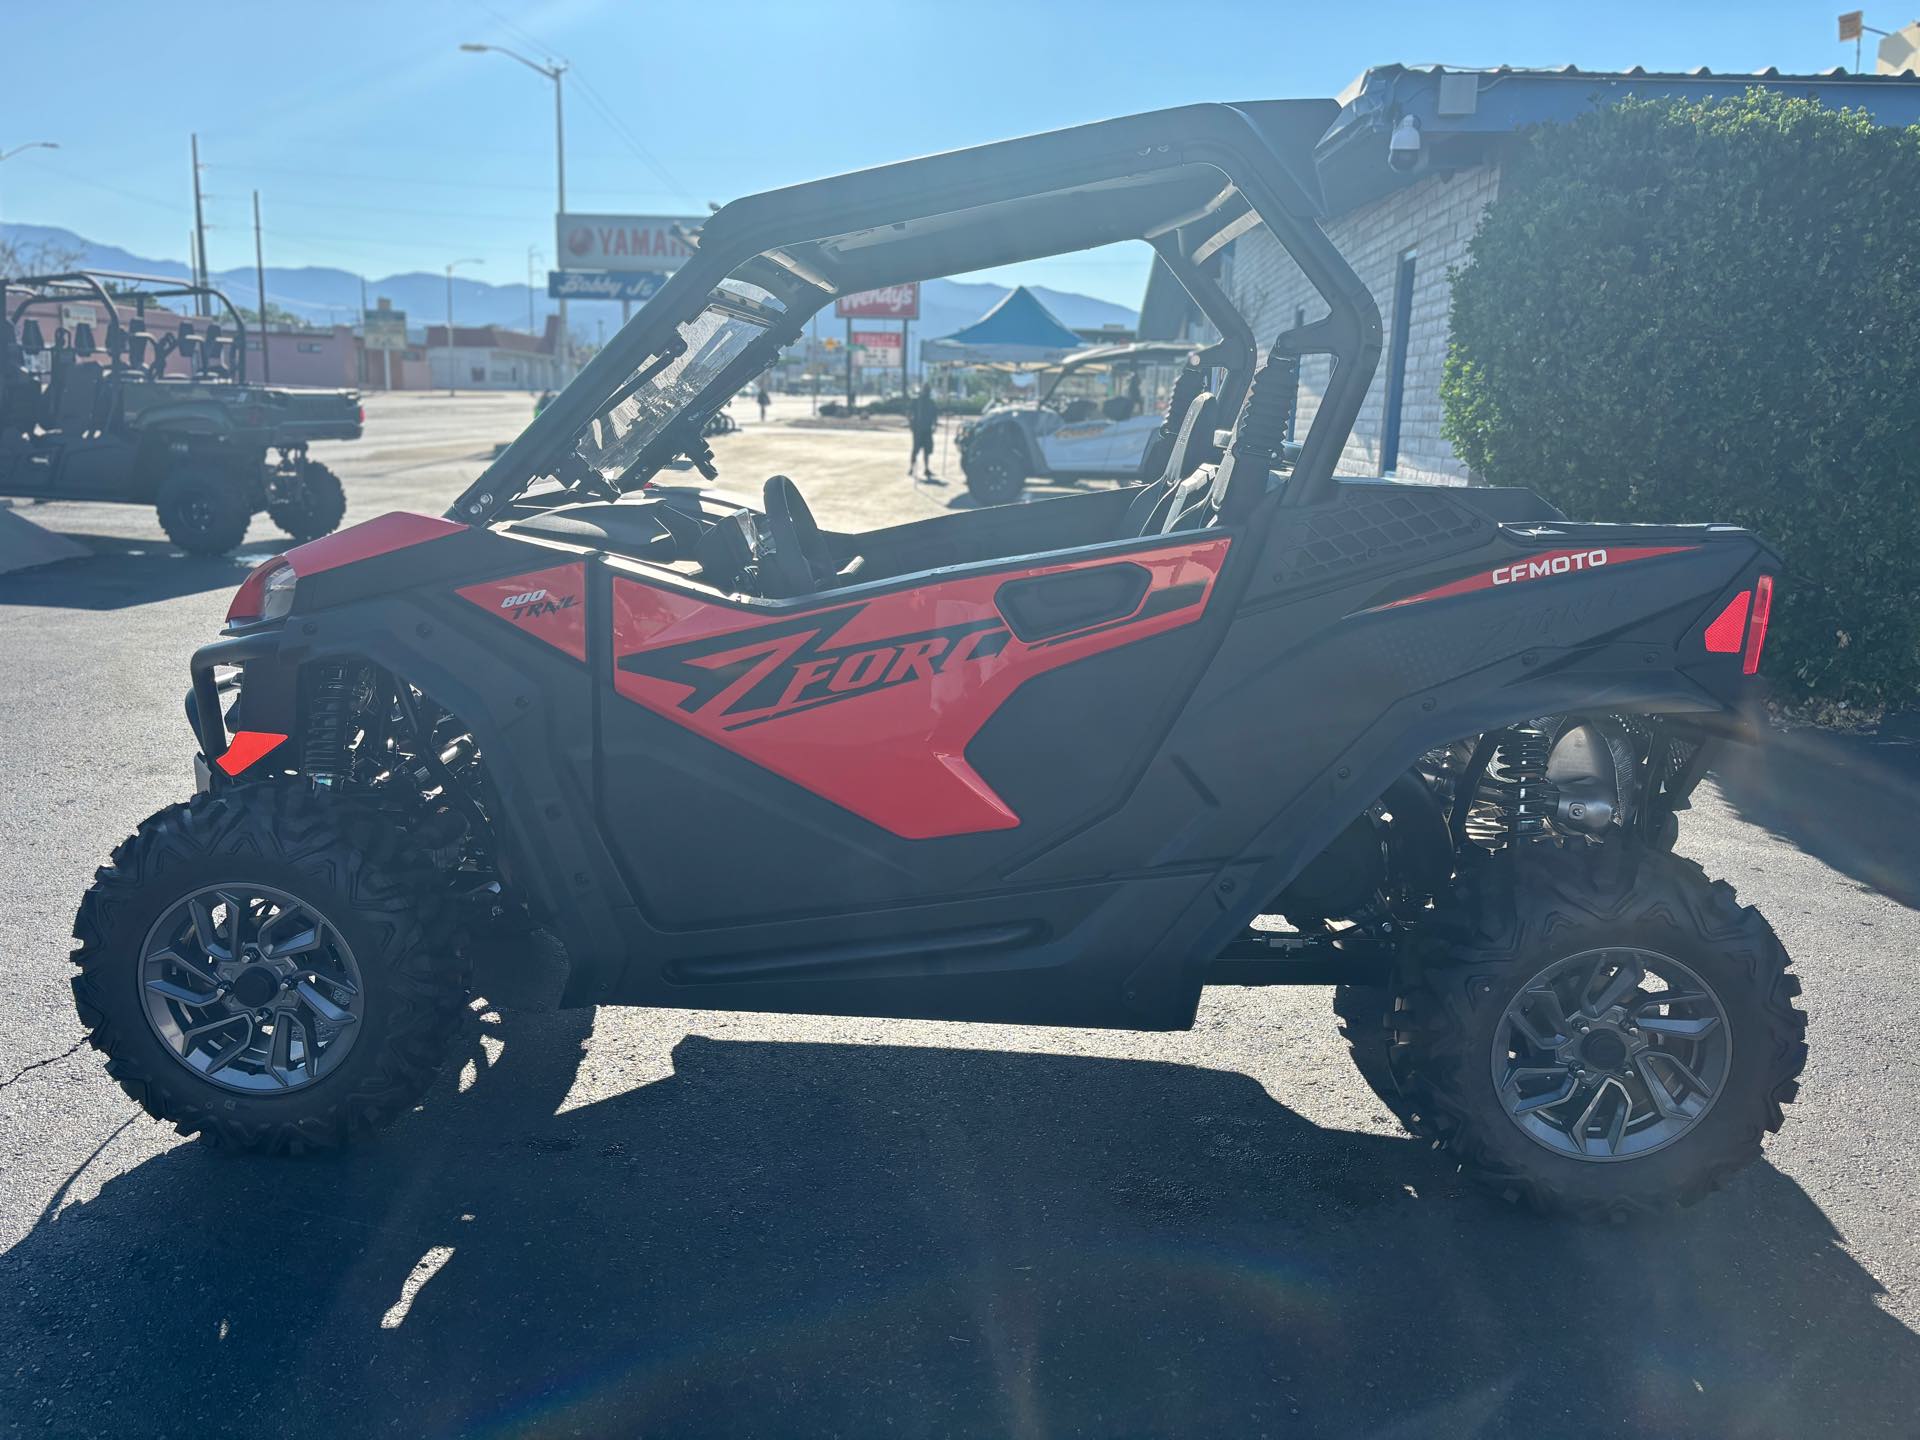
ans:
(1066, 763)
(107, 393)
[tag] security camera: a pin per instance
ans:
(1403, 146)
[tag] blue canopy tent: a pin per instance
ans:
(1019, 329)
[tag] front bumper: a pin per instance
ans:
(204, 712)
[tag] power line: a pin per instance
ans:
(594, 98)
(620, 129)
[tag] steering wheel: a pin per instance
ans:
(795, 558)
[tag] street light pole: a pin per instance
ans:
(29, 145)
(533, 253)
(452, 377)
(553, 70)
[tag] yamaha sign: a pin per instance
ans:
(656, 243)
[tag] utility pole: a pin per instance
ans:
(553, 70)
(260, 279)
(1852, 27)
(199, 230)
(849, 365)
(452, 377)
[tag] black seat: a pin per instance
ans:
(19, 388)
(78, 398)
(1159, 503)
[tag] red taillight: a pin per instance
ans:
(1757, 625)
(250, 600)
(363, 414)
(1725, 633)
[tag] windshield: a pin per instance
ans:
(736, 317)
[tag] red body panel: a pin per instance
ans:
(550, 605)
(381, 535)
(871, 704)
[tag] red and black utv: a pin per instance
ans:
(1063, 763)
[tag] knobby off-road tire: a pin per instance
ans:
(1362, 1011)
(311, 504)
(204, 512)
(995, 473)
(357, 871)
(1550, 904)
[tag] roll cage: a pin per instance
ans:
(125, 287)
(1188, 181)
(1145, 352)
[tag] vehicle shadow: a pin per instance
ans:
(120, 573)
(1847, 800)
(801, 1238)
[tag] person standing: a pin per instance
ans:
(765, 400)
(923, 415)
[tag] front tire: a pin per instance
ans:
(1624, 980)
(204, 512)
(309, 502)
(995, 474)
(269, 969)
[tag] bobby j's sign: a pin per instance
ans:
(603, 284)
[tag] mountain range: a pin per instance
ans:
(321, 295)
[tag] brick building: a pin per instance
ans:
(1403, 225)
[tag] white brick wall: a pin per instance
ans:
(1436, 214)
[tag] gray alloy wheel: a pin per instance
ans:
(1611, 1054)
(250, 988)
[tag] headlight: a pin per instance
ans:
(266, 594)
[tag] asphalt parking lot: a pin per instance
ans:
(698, 1224)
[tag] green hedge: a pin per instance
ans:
(1679, 312)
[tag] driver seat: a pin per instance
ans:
(1160, 503)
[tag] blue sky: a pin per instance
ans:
(378, 146)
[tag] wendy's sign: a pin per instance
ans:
(889, 302)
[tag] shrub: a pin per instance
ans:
(1711, 311)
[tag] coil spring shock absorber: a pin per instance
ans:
(1526, 796)
(329, 712)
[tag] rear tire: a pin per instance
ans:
(311, 502)
(1362, 1011)
(1552, 908)
(351, 869)
(204, 512)
(995, 473)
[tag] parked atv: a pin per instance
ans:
(1244, 724)
(1093, 419)
(151, 409)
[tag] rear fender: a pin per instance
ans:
(1619, 643)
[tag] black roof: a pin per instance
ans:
(1001, 203)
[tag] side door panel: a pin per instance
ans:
(847, 753)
